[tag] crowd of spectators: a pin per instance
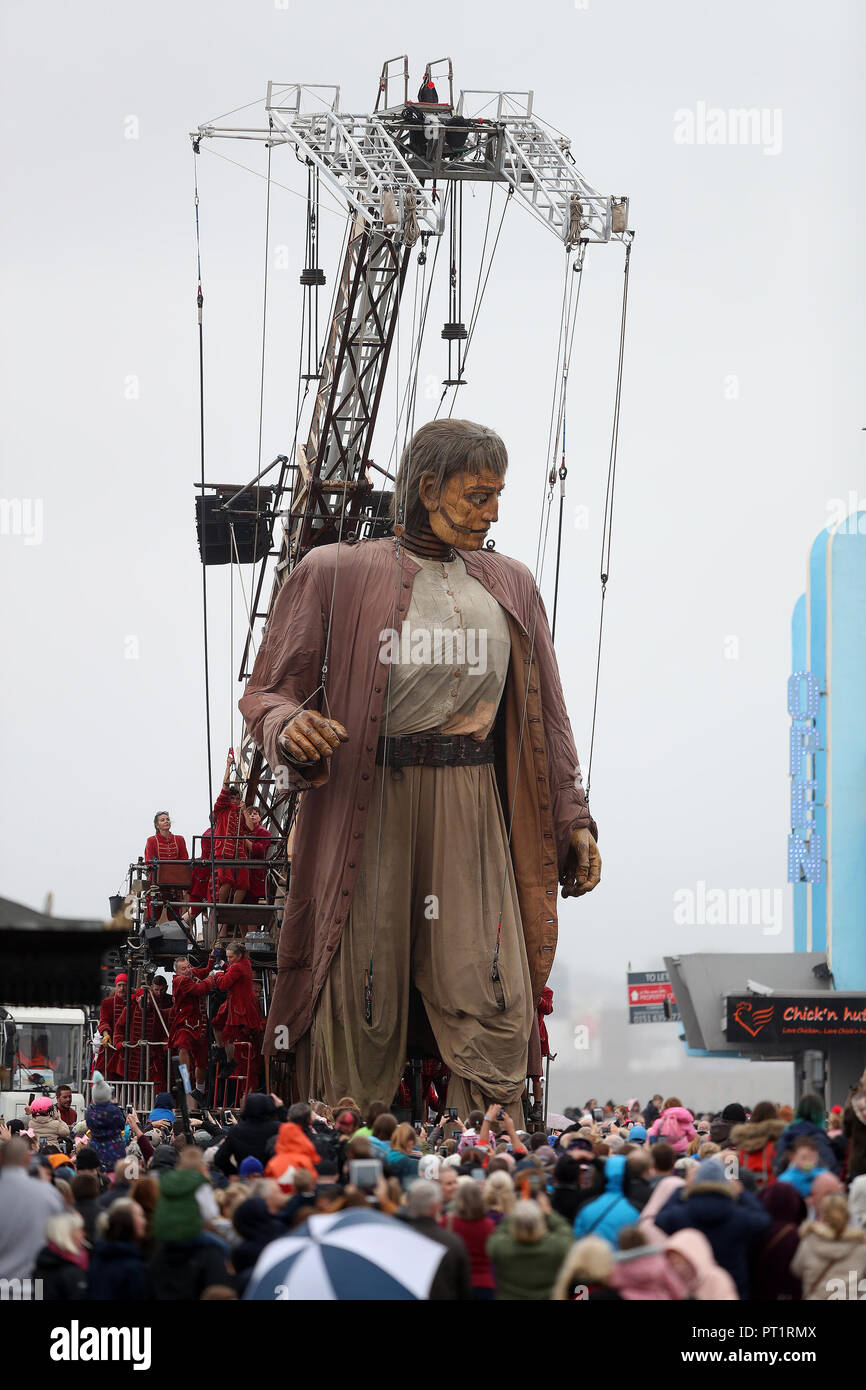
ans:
(654, 1202)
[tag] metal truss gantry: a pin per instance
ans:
(386, 167)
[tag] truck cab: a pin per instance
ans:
(41, 1049)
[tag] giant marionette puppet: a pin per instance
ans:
(409, 686)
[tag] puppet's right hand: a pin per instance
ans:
(309, 736)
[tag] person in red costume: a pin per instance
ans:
(201, 887)
(164, 845)
(188, 1025)
(239, 1019)
(154, 1031)
(108, 1061)
(229, 840)
(258, 843)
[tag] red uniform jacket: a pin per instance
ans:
(241, 1009)
(164, 847)
(155, 1033)
(261, 839)
(545, 1006)
(108, 1062)
(230, 842)
(188, 1016)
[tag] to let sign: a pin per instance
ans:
(651, 997)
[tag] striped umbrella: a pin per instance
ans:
(357, 1254)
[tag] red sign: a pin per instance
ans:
(650, 994)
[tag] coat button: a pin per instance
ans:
(365, 776)
(351, 863)
(370, 748)
(405, 583)
(362, 805)
(378, 689)
(345, 892)
(356, 834)
(373, 718)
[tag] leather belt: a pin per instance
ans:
(434, 750)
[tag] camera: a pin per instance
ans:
(364, 1173)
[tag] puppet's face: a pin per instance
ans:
(463, 512)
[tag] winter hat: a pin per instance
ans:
(163, 1108)
(734, 1114)
(121, 979)
(42, 1105)
(177, 1215)
(637, 1135)
(164, 1158)
(100, 1090)
(710, 1170)
(251, 1167)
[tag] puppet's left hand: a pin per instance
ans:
(582, 870)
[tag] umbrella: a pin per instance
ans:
(555, 1121)
(357, 1254)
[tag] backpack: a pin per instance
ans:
(670, 1129)
(759, 1162)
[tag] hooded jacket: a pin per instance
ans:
(675, 1126)
(527, 1271)
(259, 1122)
(710, 1282)
(46, 1126)
(854, 1128)
(293, 1150)
(772, 1253)
(177, 1216)
(106, 1122)
(605, 1215)
(829, 1266)
(756, 1146)
(729, 1220)
(182, 1270)
(117, 1272)
(787, 1138)
(257, 1228)
(664, 1189)
(63, 1278)
(645, 1274)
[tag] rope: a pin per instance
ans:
(572, 236)
(411, 230)
(568, 318)
(607, 528)
(200, 307)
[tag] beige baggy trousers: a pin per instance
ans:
(435, 874)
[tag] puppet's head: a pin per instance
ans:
(450, 477)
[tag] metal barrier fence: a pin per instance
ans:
(139, 1094)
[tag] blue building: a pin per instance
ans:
(827, 706)
(808, 1006)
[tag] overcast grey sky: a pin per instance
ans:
(741, 420)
